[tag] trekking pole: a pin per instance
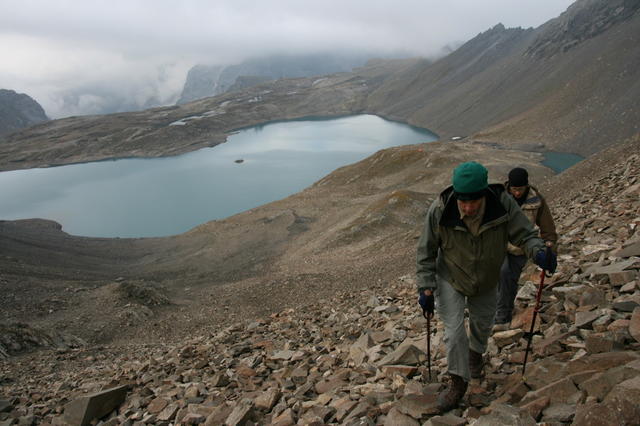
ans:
(428, 317)
(533, 320)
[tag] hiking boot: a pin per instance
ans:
(451, 397)
(475, 364)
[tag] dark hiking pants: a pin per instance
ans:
(508, 286)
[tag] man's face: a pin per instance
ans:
(518, 191)
(470, 208)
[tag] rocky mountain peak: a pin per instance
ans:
(18, 111)
(583, 20)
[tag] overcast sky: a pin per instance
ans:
(87, 56)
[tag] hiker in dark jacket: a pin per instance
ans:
(461, 250)
(537, 211)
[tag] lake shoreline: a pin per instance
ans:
(141, 198)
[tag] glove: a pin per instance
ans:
(547, 260)
(427, 303)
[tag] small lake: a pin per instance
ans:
(167, 196)
(559, 161)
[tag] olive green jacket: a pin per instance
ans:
(472, 263)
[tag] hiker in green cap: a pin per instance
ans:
(461, 250)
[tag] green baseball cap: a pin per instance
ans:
(470, 180)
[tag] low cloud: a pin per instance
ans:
(85, 57)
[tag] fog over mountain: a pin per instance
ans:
(96, 57)
(203, 81)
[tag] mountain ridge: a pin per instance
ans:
(488, 89)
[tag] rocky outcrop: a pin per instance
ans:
(17, 337)
(583, 20)
(18, 111)
(202, 81)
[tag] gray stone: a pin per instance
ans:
(601, 342)
(358, 351)
(169, 412)
(592, 296)
(620, 407)
(193, 419)
(601, 384)
(504, 338)
(404, 355)
(601, 362)
(628, 390)
(282, 355)
(505, 415)
(320, 412)
(559, 413)
(612, 268)
(330, 384)
(621, 278)
(634, 324)
(286, 418)
(584, 319)
(396, 418)
(157, 405)
(448, 420)
(626, 303)
(417, 406)
(562, 390)
(241, 414)
(218, 415)
(360, 410)
(85, 409)
(544, 371)
(629, 287)
(220, 380)
(343, 407)
(535, 407)
(268, 399)
(612, 413)
(629, 250)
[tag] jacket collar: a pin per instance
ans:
(493, 206)
(532, 199)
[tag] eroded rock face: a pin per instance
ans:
(581, 22)
(18, 111)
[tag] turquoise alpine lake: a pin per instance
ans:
(170, 195)
(559, 161)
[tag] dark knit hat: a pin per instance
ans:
(470, 181)
(518, 177)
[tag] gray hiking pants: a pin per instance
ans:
(451, 306)
(508, 286)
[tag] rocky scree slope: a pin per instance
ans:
(359, 357)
